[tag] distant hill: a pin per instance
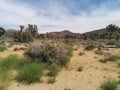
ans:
(63, 34)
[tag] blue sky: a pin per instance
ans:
(57, 15)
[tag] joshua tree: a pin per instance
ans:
(2, 31)
(33, 29)
(111, 29)
(21, 31)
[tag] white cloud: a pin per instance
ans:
(55, 14)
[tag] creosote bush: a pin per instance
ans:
(30, 73)
(109, 84)
(109, 58)
(11, 62)
(53, 70)
(49, 53)
(51, 80)
(90, 47)
(2, 48)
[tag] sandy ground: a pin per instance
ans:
(10, 51)
(90, 78)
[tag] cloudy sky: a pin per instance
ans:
(57, 15)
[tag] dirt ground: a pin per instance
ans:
(93, 74)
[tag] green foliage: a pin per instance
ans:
(43, 52)
(90, 47)
(109, 58)
(23, 37)
(51, 80)
(53, 70)
(2, 48)
(81, 53)
(5, 78)
(118, 64)
(111, 29)
(30, 73)
(80, 69)
(109, 84)
(10, 62)
(111, 42)
(2, 31)
(64, 61)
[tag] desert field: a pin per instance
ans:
(83, 72)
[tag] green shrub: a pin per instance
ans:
(109, 58)
(81, 53)
(109, 84)
(112, 58)
(53, 70)
(80, 69)
(2, 48)
(30, 73)
(118, 64)
(90, 47)
(64, 61)
(23, 37)
(51, 80)
(10, 62)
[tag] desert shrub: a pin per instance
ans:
(2, 48)
(118, 64)
(53, 70)
(111, 42)
(99, 52)
(112, 58)
(80, 68)
(10, 62)
(2, 31)
(90, 47)
(44, 52)
(49, 53)
(51, 80)
(5, 79)
(109, 58)
(81, 53)
(23, 37)
(109, 84)
(102, 61)
(64, 61)
(30, 73)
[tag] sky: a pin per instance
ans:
(78, 16)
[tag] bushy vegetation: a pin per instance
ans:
(80, 68)
(2, 48)
(11, 62)
(51, 80)
(53, 70)
(49, 53)
(109, 58)
(30, 73)
(90, 47)
(109, 84)
(23, 37)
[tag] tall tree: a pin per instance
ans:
(2, 31)
(111, 29)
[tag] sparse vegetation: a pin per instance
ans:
(51, 80)
(81, 53)
(109, 84)
(80, 69)
(2, 48)
(109, 58)
(89, 47)
(53, 70)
